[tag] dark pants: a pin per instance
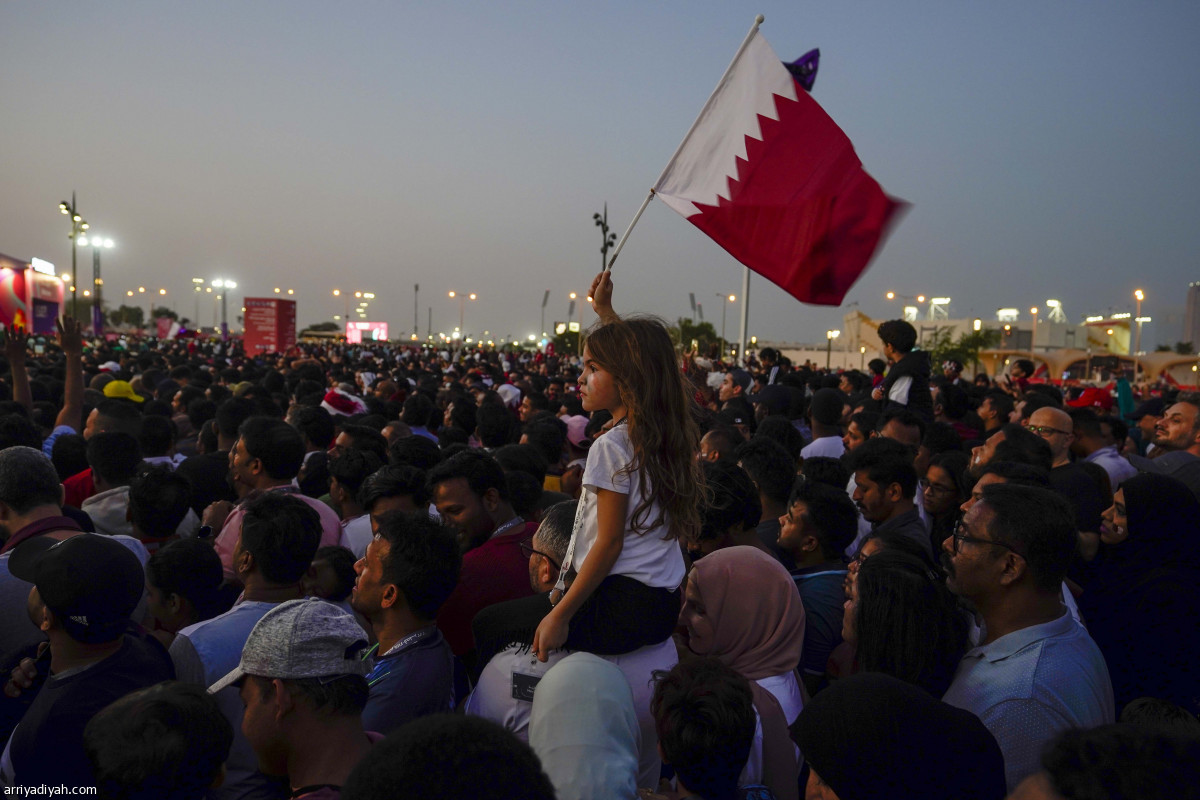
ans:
(621, 616)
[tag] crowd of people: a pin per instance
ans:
(388, 571)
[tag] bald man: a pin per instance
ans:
(1058, 429)
(1088, 498)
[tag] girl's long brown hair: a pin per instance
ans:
(638, 353)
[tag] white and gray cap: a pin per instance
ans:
(308, 638)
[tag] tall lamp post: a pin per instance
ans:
(226, 285)
(96, 243)
(198, 286)
(1137, 346)
(829, 337)
(462, 309)
(1033, 339)
(725, 301)
(78, 226)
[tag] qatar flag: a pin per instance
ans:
(772, 179)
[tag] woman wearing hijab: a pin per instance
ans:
(1143, 606)
(584, 729)
(874, 736)
(742, 607)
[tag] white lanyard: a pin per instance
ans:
(560, 587)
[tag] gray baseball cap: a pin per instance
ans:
(308, 638)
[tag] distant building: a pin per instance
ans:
(1191, 316)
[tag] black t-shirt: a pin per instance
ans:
(1074, 483)
(47, 746)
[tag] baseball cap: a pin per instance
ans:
(577, 430)
(775, 398)
(122, 390)
(308, 638)
(1153, 407)
(91, 582)
(1090, 397)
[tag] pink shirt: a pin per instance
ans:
(331, 529)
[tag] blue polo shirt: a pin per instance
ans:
(1032, 684)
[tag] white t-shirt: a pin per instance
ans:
(645, 556)
(826, 446)
(505, 690)
(357, 534)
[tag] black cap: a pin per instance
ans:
(775, 398)
(1154, 407)
(91, 582)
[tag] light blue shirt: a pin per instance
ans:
(1118, 468)
(1030, 685)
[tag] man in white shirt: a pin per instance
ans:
(504, 691)
(825, 412)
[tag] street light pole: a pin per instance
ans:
(96, 243)
(1137, 347)
(78, 226)
(225, 285)
(462, 310)
(1033, 341)
(829, 337)
(725, 301)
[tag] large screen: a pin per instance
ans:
(359, 332)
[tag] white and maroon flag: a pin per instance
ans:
(772, 179)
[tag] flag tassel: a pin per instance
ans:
(758, 20)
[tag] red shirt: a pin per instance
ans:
(495, 571)
(78, 487)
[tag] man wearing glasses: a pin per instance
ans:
(1035, 671)
(1073, 481)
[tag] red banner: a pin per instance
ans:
(270, 325)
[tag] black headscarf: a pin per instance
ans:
(1164, 526)
(871, 736)
(1143, 606)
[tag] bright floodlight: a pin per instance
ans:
(471, 295)
(452, 293)
(1053, 304)
(83, 241)
(1138, 294)
(1033, 310)
(920, 298)
(940, 301)
(891, 295)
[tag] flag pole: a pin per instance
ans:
(745, 315)
(758, 20)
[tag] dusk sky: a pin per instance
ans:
(1049, 151)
